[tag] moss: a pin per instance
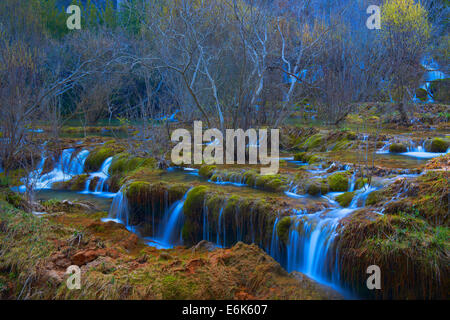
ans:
(360, 182)
(437, 145)
(250, 177)
(338, 181)
(345, 199)
(341, 145)
(96, 158)
(397, 148)
(439, 90)
(194, 201)
(312, 142)
(206, 171)
(374, 198)
(125, 162)
(283, 227)
(301, 156)
(407, 246)
(273, 183)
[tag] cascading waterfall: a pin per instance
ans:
(102, 176)
(312, 236)
(119, 210)
(173, 223)
(416, 151)
(66, 167)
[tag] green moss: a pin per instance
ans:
(273, 183)
(194, 201)
(301, 156)
(360, 182)
(206, 171)
(125, 162)
(373, 198)
(438, 145)
(312, 142)
(345, 199)
(338, 181)
(341, 145)
(137, 187)
(96, 158)
(397, 148)
(283, 227)
(250, 177)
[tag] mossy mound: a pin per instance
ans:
(437, 145)
(360, 182)
(440, 90)
(97, 156)
(283, 227)
(307, 157)
(338, 181)
(345, 199)
(314, 142)
(125, 162)
(397, 148)
(410, 253)
(206, 171)
(77, 183)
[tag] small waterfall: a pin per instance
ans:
(119, 210)
(312, 236)
(171, 230)
(102, 176)
(66, 167)
(221, 228)
(274, 243)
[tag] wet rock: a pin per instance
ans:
(397, 148)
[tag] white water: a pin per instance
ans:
(102, 176)
(64, 170)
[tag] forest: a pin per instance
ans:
(350, 99)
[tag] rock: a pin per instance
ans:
(397, 148)
(82, 257)
(131, 242)
(437, 145)
(204, 245)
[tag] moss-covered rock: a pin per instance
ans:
(97, 156)
(440, 90)
(397, 148)
(345, 199)
(77, 183)
(360, 182)
(283, 227)
(374, 198)
(407, 246)
(438, 145)
(314, 142)
(338, 181)
(206, 171)
(125, 162)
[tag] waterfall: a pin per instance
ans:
(102, 176)
(66, 167)
(119, 208)
(311, 238)
(274, 243)
(172, 229)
